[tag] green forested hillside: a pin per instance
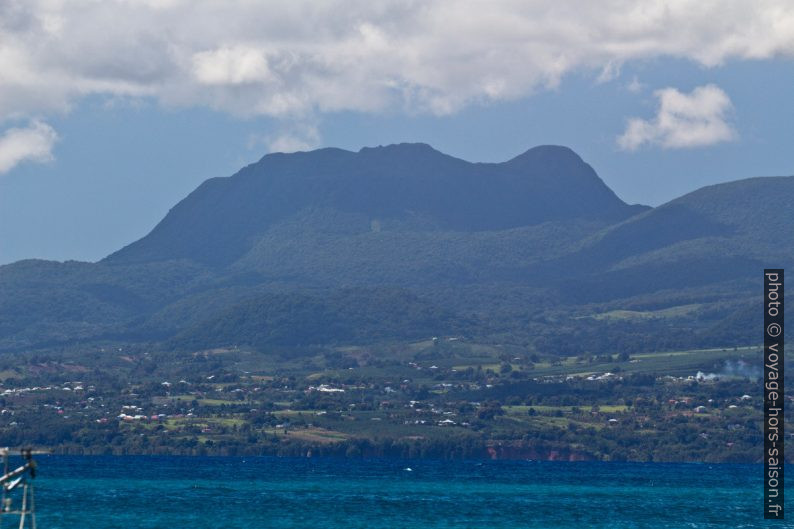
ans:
(401, 242)
(341, 317)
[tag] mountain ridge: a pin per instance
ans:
(385, 182)
(490, 244)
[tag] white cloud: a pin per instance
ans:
(298, 137)
(289, 143)
(230, 66)
(297, 58)
(33, 143)
(697, 119)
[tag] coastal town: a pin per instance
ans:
(427, 401)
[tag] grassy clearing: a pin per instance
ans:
(488, 365)
(670, 312)
(206, 402)
(524, 410)
(295, 413)
(227, 421)
(314, 434)
(8, 373)
(677, 363)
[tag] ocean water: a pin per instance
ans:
(183, 492)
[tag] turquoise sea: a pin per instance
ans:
(184, 492)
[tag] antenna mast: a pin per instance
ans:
(12, 480)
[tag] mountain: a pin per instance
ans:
(720, 233)
(533, 251)
(221, 220)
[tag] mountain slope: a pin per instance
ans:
(340, 317)
(522, 251)
(725, 232)
(220, 221)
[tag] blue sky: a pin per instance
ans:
(96, 146)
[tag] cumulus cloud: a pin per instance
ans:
(293, 56)
(294, 59)
(230, 66)
(696, 119)
(32, 143)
